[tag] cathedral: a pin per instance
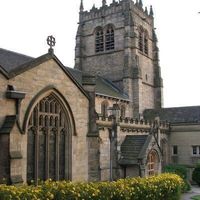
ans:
(101, 120)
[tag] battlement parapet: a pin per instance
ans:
(114, 7)
(134, 124)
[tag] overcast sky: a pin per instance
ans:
(25, 25)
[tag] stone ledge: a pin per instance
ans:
(16, 179)
(15, 155)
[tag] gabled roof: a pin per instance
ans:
(104, 86)
(108, 88)
(9, 60)
(131, 149)
(13, 64)
(190, 114)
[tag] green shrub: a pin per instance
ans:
(180, 170)
(196, 174)
(165, 187)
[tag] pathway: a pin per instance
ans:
(195, 190)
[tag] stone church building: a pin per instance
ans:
(102, 120)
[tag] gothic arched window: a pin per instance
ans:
(104, 108)
(49, 141)
(110, 38)
(99, 40)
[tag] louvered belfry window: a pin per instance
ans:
(146, 49)
(99, 40)
(140, 41)
(110, 39)
(143, 41)
(104, 39)
(49, 141)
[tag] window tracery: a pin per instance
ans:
(49, 143)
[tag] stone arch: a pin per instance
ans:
(49, 137)
(39, 96)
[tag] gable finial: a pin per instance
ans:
(151, 11)
(81, 6)
(103, 2)
(51, 41)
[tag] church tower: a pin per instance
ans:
(118, 41)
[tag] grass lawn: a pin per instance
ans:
(197, 197)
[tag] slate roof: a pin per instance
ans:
(103, 86)
(9, 60)
(190, 114)
(12, 64)
(131, 149)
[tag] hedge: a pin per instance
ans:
(165, 186)
(180, 170)
(196, 174)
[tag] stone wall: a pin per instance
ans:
(184, 136)
(32, 82)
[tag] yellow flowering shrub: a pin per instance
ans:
(161, 187)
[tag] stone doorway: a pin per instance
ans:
(152, 163)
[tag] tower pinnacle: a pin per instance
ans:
(140, 3)
(151, 11)
(103, 2)
(81, 6)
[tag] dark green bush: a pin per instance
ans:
(180, 170)
(196, 175)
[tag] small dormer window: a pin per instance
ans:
(123, 111)
(104, 108)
